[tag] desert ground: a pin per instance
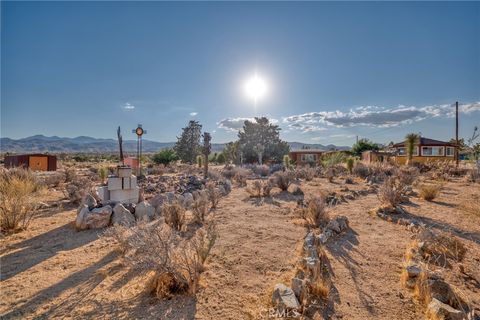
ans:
(53, 271)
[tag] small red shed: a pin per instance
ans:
(35, 162)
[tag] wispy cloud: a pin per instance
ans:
(128, 106)
(193, 114)
(232, 124)
(235, 124)
(373, 116)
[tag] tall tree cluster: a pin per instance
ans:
(188, 144)
(259, 140)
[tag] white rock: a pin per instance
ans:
(122, 216)
(144, 211)
(439, 310)
(99, 217)
(82, 212)
(90, 201)
(283, 298)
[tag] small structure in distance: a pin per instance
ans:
(34, 162)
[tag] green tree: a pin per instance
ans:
(259, 140)
(411, 141)
(188, 144)
(363, 145)
(221, 158)
(165, 156)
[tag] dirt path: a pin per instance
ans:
(366, 263)
(256, 247)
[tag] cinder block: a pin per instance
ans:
(103, 193)
(133, 181)
(114, 183)
(124, 172)
(126, 183)
(125, 196)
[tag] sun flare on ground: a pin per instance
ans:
(256, 88)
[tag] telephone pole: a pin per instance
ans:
(456, 133)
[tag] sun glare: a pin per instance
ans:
(255, 88)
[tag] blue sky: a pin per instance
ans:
(333, 70)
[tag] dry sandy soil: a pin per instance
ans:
(52, 271)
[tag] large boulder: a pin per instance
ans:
(89, 201)
(283, 298)
(80, 222)
(122, 216)
(439, 310)
(187, 200)
(99, 217)
(158, 200)
(144, 211)
(94, 219)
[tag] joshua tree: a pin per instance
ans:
(411, 141)
(207, 147)
(120, 143)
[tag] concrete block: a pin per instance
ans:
(133, 181)
(114, 183)
(125, 196)
(124, 172)
(103, 193)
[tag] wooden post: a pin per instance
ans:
(456, 133)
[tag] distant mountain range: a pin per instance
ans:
(83, 144)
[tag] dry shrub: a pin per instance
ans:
(320, 282)
(361, 170)
(330, 174)
(52, 179)
(429, 191)
(472, 205)
(437, 246)
(174, 263)
(19, 198)
(391, 193)
(316, 212)
(259, 189)
(77, 187)
(200, 208)
(407, 175)
(283, 179)
(473, 175)
(214, 175)
(261, 170)
(120, 234)
(306, 173)
(255, 189)
(174, 215)
(213, 194)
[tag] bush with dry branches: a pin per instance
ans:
(391, 193)
(174, 263)
(200, 208)
(259, 189)
(213, 194)
(282, 179)
(315, 213)
(19, 198)
(306, 173)
(429, 191)
(174, 215)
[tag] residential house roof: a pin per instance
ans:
(426, 142)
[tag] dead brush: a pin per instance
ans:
(200, 208)
(174, 264)
(213, 194)
(77, 188)
(473, 175)
(306, 173)
(20, 194)
(283, 179)
(429, 191)
(315, 213)
(259, 189)
(174, 215)
(472, 206)
(240, 178)
(438, 246)
(391, 193)
(407, 175)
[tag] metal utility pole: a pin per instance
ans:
(357, 138)
(139, 131)
(456, 133)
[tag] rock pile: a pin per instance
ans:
(440, 250)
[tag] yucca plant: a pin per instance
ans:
(411, 141)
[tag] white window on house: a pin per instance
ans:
(432, 151)
(403, 151)
(309, 157)
(450, 151)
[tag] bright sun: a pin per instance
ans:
(256, 88)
